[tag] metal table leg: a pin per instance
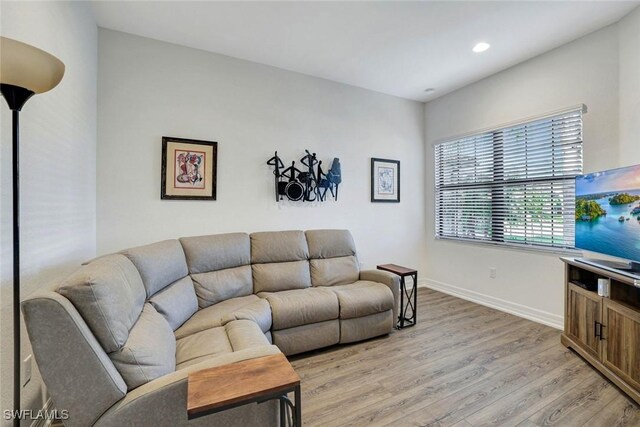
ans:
(411, 296)
(402, 309)
(415, 298)
(298, 397)
(296, 410)
(283, 412)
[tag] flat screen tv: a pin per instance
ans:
(608, 212)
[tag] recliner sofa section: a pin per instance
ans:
(117, 340)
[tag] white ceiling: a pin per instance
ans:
(397, 48)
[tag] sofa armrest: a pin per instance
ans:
(163, 401)
(386, 278)
(79, 375)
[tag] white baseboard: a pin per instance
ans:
(519, 310)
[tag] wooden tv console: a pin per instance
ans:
(604, 331)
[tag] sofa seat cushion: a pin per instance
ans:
(217, 315)
(204, 343)
(207, 362)
(245, 334)
(301, 306)
(259, 312)
(236, 335)
(363, 298)
(149, 352)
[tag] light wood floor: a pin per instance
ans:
(462, 364)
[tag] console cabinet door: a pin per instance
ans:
(584, 309)
(621, 344)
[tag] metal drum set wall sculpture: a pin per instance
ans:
(310, 183)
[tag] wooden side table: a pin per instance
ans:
(256, 380)
(411, 295)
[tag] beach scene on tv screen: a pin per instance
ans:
(608, 212)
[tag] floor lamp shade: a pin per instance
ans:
(24, 71)
(28, 67)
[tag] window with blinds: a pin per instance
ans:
(514, 185)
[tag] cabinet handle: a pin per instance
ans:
(601, 331)
(595, 329)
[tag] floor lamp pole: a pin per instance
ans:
(16, 97)
(16, 260)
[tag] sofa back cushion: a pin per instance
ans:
(278, 246)
(109, 295)
(281, 276)
(177, 302)
(150, 350)
(160, 264)
(330, 243)
(333, 257)
(219, 266)
(334, 271)
(221, 285)
(216, 252)
(279, 261)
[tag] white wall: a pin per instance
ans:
(147, 89)
(584, 71)
(629, 39)
(58, 148)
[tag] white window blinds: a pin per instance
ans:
(513, 185)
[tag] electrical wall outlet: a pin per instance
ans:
(492, 272)
(26, 370)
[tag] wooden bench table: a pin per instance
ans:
(256, 380)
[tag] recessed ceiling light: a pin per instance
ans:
(481, 47)
(429, 90)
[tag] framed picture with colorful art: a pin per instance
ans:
(385, 180)
(188, 169)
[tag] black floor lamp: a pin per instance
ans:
(24, 72)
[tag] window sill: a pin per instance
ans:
(514, 246)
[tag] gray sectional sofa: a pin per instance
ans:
(117, 339)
